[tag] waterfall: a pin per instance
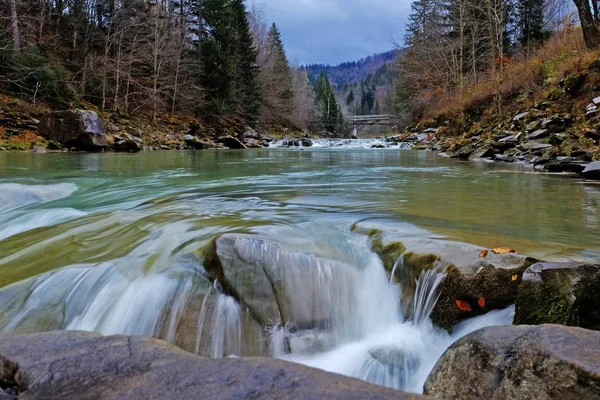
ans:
(359, 327)
(202, 320)
(227, 328)
(426, 294)
(399, 263)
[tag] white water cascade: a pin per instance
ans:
(360, 330)
(347, 144)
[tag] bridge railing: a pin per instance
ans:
(367, 118)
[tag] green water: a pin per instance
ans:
(59, 210)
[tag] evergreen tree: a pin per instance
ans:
(331, 112)
(350, 98)
(215, 48)
(228, 59)
(246, 87)
(530, 22)
(281, 75)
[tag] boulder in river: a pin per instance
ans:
(75, 128)
(592, 171)
(78, 365)
(485, 151)
(196, 143)
(560, 293)
(568, 164)
(276, 284)
(470, 276)
(520, 362)
(231, 142)
(127, 143)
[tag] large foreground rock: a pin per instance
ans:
(560, 293)
(522, 362)
(77, 365)
(79, 128)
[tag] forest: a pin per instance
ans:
(464, 53)
(208, 58)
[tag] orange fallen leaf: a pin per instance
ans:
(503, 250)
(483, 254)
(481, 302)
(463, 305)
(515, 277)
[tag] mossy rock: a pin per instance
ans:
(539, 304)
(560, 293)
(497, 286)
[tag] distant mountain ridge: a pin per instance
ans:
(353, 72)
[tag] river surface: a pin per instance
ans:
(96, 241)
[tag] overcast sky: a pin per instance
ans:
(334, 31)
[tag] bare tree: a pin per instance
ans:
(14, 24)
(588, 17)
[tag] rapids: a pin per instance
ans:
(115, 244)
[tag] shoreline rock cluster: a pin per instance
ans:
(547, 142)
(84, 130)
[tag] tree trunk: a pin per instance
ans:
(14, 25)
(591, 34)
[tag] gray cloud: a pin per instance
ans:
(333, 31)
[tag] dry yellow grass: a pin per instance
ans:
(563, 53)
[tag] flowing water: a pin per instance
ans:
(114, 243)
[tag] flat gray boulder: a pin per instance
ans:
(79, 128)
(77, 365)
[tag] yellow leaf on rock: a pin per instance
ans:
(503, 250)
(515, 277)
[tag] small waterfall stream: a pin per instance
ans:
(365, 334)
(336, 307)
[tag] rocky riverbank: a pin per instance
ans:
(555, 131)
(28, 127)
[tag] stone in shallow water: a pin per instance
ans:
(520, 362)
(77, 365)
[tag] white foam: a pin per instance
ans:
(14, 195)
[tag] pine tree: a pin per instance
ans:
(331, 113)
(283, 103)
(228, 59)
(215, 40)
(350, 98)
(246, 88)
(530, 22)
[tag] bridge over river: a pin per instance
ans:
(373, 125)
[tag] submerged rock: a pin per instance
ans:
(74, 128)
(560, 293)
(523, 362)
(77, 365)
